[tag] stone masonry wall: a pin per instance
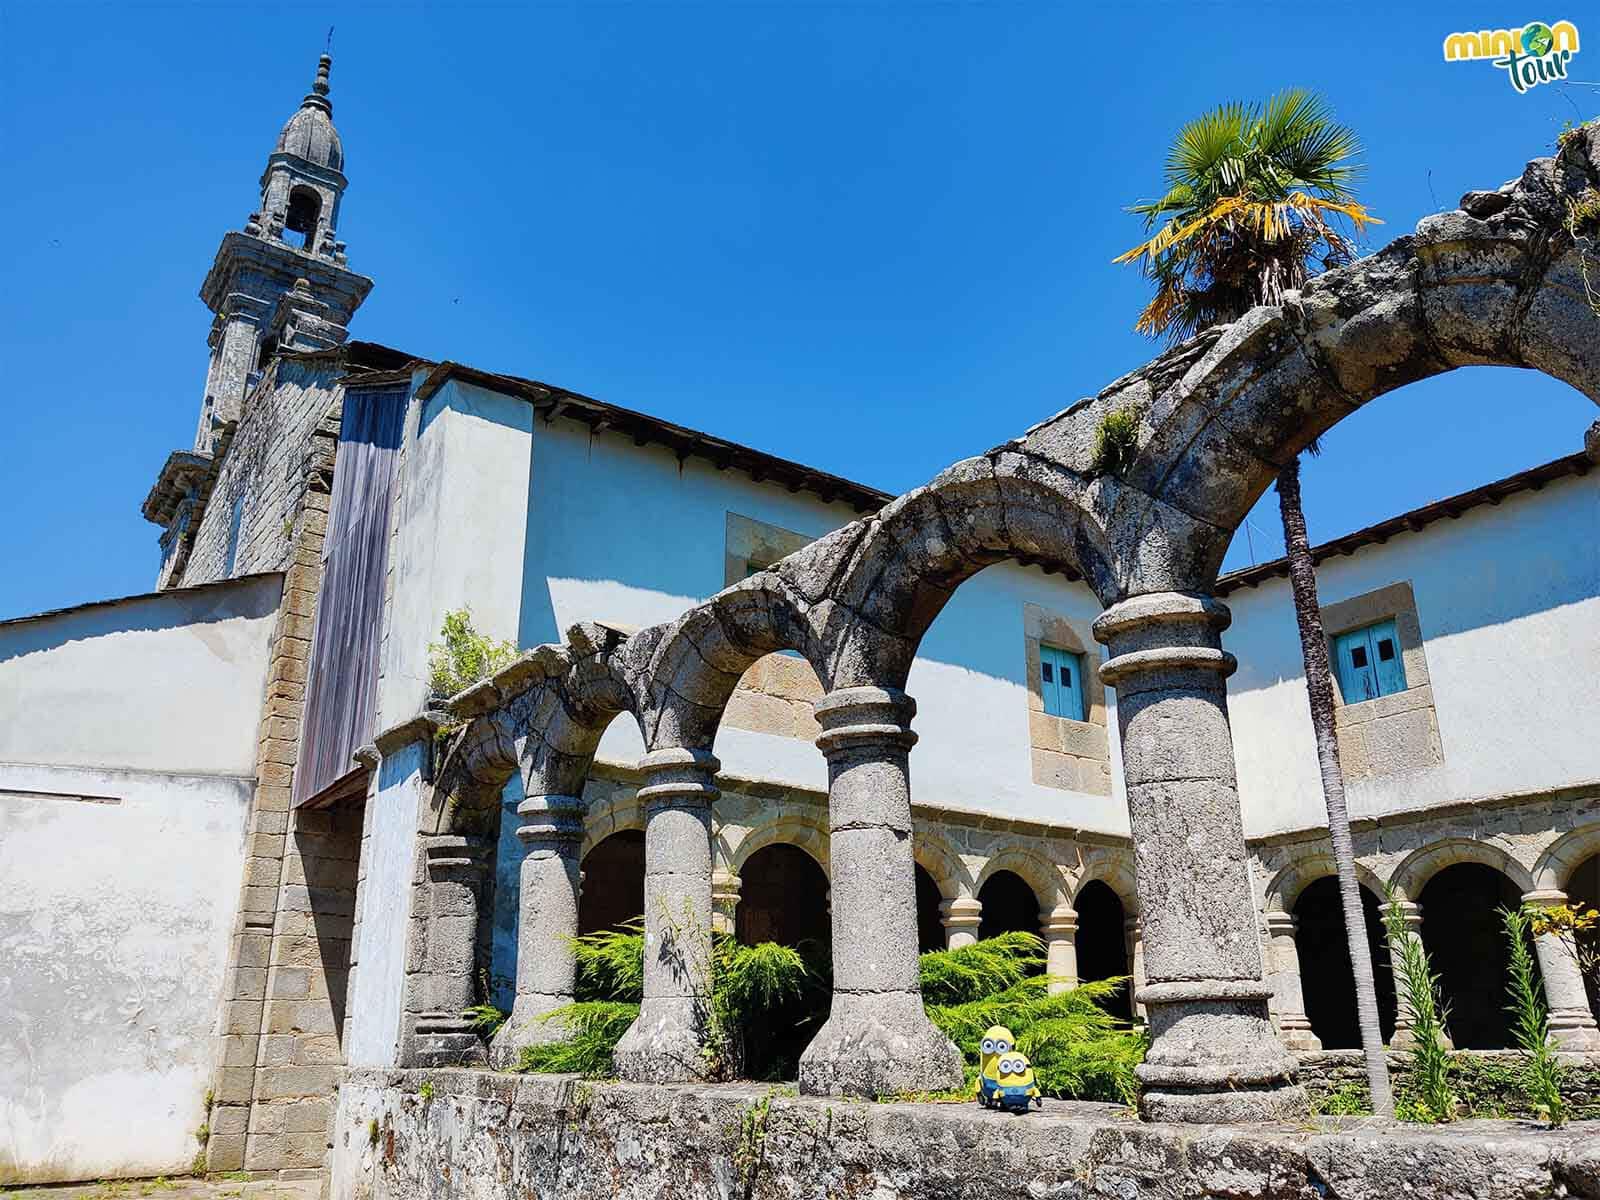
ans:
(284, 992)
(273, 461)
(467, 1135)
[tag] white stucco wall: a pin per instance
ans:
(463, 511)
(127, 745)
(114, 924)
(391, 829)
(1508, 598)
(128, 683)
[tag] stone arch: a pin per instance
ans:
(621, 815)
(1497, 282)
(934, 854)
(1115, 870)
(914, 554)
(806, 831)
(1570, 851)
(1305, 869)
(689, 668)
(1047, 880)
(1413, 873)
(783, 896)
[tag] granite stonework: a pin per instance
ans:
(1494, 282)
(462, 1135)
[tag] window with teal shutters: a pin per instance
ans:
(1368, 662)
(1061, 682)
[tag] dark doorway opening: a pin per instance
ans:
(1466, 945)
(1009, 905)
(1326, 980)
(613, 883)
(930, 920)
(1102, 942)
(783, 897)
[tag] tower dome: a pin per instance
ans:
(310, 134)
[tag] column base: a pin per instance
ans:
(532, 1026)
(666, 1043)
(1214, 1056)
(878, 1044)
(1299, 1038)
(445, 1040)
(1574, 1030)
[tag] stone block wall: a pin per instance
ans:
(280, 453)
(1484, 1080)
(469, 1135)
(283, 1003)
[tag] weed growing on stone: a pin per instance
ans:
(465, 656)
(1351, 1100)
(372, 1131)
(425, 1092)
(1530, 1024)
(1116, 441)
(1429, 1098)
(750, 1151)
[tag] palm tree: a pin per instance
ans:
(1252, 199)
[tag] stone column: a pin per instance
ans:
(1214, 1055)
(1283, 970)
(1059, 928)
(1133, 946)
(725, 887)
(1572, 1025)
(443, 956)
(547, 919)
(665, 1043)
(1411, 914)
(877, 1039)
(961, 917)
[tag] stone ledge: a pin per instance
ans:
(482, 1135)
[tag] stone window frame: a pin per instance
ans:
(1063, 753)
(750, 545)
(1397, 733)
(775, 696)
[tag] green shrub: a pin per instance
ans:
(464, 657)
(1530, 1025)
(1351, 1100)
(1078, 1050)
(767, 1001)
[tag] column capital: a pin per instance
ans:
(961, 913)
(1280, 923)
(1058, 922)
(1545, 898)
(1155, 609)
(1162, 633)
(453, 857)
(551, 822)
(725, 886)
(676, 775)
(1410, 912)
(860, 716)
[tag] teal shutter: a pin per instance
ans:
(1386, 658)
(1368, 664)
(1061, 682)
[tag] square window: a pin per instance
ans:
(1061, 680)
(1367, 662)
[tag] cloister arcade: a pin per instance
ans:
(1499, 281)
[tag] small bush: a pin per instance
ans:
(464, 657)
(1429, 1097)
(1116, 441)
(1351, 1100)
(485, 1019)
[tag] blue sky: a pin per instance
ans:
(873, 237)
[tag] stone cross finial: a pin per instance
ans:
(317, 97)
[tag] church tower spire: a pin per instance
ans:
(284, 281)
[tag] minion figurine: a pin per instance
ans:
(1005, 1077)
(1010, 1085)
(997, 1041)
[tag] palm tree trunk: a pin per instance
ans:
(1319, 689)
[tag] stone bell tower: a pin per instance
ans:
(284, 281)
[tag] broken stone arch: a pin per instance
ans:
(1499, 281)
